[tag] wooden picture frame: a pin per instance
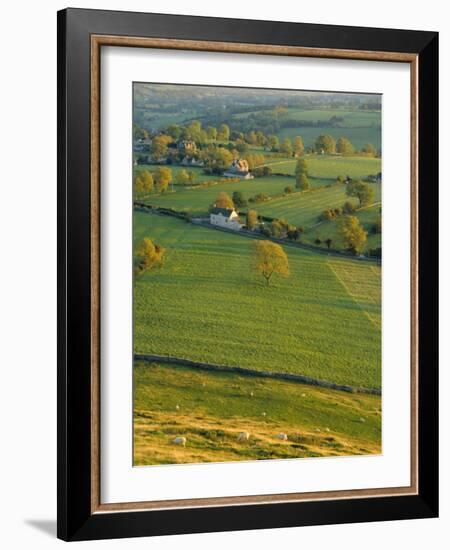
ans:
(81, 35)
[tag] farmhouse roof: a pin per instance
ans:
(226, 212)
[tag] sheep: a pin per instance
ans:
(177, 407)
(251, 394)
(243, 436)
(303, 394)
(179, 441)
(264, 414)
(362, 419)
(282, 436)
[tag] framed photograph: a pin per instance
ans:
(247, 274)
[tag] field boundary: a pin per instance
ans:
(155, 210)
(254, 373)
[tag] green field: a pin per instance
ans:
(331, 166)
(198, 201)
(206, 304)
(305, 208)
(210, 409)
(328, 229)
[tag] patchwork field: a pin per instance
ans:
(210, 409)
(206, 304)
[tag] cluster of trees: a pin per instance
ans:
(362, 191)
(333, 213)
(352, 234)
(145, 182)
(185, 177)
(148, 256)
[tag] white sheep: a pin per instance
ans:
(179, 441)
(243, 436)
(264, 414)
(282, 436)
(177, 407)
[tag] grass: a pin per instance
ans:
(210, 409)
(197, 201)
(206, 304)
(305, 208)
(331, 166)
(328, 229)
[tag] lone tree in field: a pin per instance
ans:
(362, 191)
(301, 168)
(252, 219)
(239, 199)
(270, 258)
(302, 182)
(223, 200)
(148, 256)
(352, 233)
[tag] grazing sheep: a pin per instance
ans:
(303, 394)
(177, 407)
(318, 430)
(251, 394)
(362, 419)
(179, 441)
(327, 429)
(282, 436)
(264, 414)
(243, 436)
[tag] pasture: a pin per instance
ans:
(305, 208)
(331, 166)
(207, 304)
(198, 201)
(210, 409)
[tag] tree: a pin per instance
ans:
(159, 146)
(302, 182)
(223, 200)
(143, 182)
(148, 256)
(288, 189)
(301, 167)
(361, 190)
(352, 233)
(286, 147)
(328, 242)
(299, 146)
(211, 133)
(270, 258)
(216, 159)
(162, 177)
(182, 177)
(273, 143)
(348, 207)
(223, 133)
(344, 146)
(369, 150)
(174, 131)
(325, 143)
(252, 219)
(261, 139)
(239, 199)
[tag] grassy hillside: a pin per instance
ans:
(210, 409)
(206, 304)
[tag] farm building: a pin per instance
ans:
(238, 169)
(225, 217)
(187, 146)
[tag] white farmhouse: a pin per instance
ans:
(225, 217)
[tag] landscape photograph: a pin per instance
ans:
(257, 274)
